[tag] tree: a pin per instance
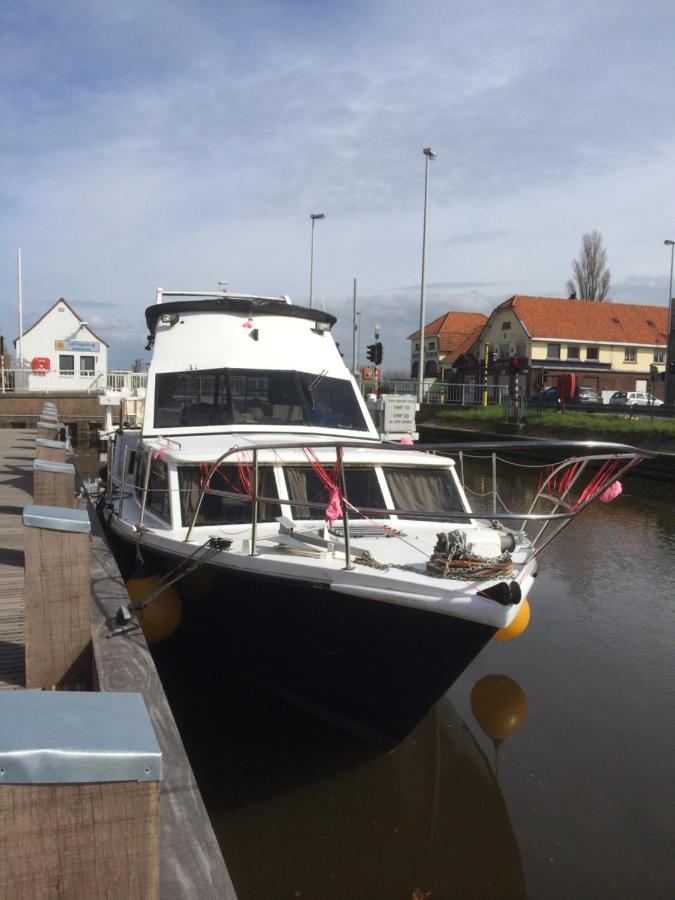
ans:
(591, 278)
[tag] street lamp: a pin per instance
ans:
(357, 328)
(669, 349)
(429, 155)
(313, 217)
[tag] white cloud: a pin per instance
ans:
(177, 144)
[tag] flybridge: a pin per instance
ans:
(161, 293)
(243, 362)
(225, 302)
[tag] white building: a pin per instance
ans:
(60, 352)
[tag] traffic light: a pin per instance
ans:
(515, 365)
(374, 353)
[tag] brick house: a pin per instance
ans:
(609, 346)
(444, 339)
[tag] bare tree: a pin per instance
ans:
(591, 277)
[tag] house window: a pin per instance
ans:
(506, 326)
(553, 351)
(504, 351)
(659, 356)
(66, 364)
(86, 365)
(592, 354)
(572, 351)
(430, 370)
(520, 350)
(417, 346)
(630, 354)
(430, 345)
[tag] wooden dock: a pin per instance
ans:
(191, 863)
(17, 451)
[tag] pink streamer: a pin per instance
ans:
(611, 493)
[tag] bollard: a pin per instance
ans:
(53, 483)
(55, 451)
(79, 796)
(57, 596)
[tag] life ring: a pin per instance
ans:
(41, 364)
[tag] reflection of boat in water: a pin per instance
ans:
(303, 810)
(255, 436)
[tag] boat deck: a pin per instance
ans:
(17, 451)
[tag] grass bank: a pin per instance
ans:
(638, 430)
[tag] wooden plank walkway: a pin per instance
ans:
(191, 863)
(17, 451)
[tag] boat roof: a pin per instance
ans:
(208, 448)
(238, 303)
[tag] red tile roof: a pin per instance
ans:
(467, 343)
(584, 320)
(452, 324)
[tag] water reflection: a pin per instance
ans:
(302, 810)
(499, 705)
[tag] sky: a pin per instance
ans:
(185, 142)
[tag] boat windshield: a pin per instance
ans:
(423, 490)
(255, 397)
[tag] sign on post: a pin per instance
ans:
(399, 413)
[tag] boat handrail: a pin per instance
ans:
(602, 451)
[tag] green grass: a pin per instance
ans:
(592, 422)
(549, 420)
(492, 413)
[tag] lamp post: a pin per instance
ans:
(429, 155)
(668, 386)
(357, 328)
(354, 331)
(313, 217)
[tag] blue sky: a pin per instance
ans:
(182, 143)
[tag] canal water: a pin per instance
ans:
(546, 771)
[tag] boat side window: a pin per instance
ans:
(236, 507)
(420, 490)
(363, 491)
(255, 397)
(158, 487)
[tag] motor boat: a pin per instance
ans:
(347, 573)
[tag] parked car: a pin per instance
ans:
(585, 394)
(582, 394)
(634, 398)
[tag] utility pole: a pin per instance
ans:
(354, 331)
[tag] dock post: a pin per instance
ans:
(48, 430)
(55, 451)
(53, 483)
(57, 596)
(79, 796)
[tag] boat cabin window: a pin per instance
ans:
(419, 490)
(217, 509)
(255, 397)
(363, 491)
(158, 487)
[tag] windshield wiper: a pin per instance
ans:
(317, 381)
